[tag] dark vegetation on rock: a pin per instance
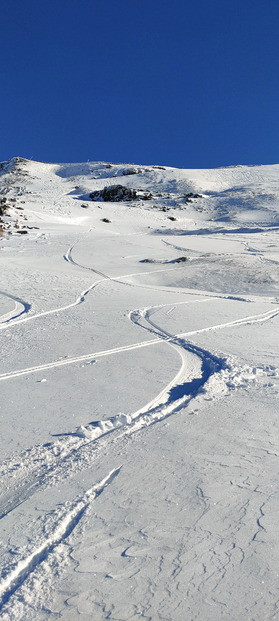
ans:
(119, 193)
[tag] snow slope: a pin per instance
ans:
(139, 377)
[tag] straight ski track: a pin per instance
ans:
(61, 532)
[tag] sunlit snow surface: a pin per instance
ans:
(139, 380)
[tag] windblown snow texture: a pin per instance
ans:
(139, 374)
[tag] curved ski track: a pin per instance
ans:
(20, 308)
(170, 399)
(44, 466)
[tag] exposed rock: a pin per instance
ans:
(188, 197)
(3, 209)
(119, 193)
(114, 193)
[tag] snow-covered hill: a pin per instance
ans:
(139, 377)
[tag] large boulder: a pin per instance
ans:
(114, 193)
(117, 193)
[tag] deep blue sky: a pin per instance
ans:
(187, 83)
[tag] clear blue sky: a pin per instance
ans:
(187, 83)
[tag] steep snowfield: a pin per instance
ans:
(139, 375)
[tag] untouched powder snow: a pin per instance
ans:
(139, 374)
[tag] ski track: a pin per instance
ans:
(162, 405)
(80, 299)
(74, 360)
(61, 458)
(62, 531)
(14, 320)
(162, 336)
(20, 308)
(151, 412)
(74, 451)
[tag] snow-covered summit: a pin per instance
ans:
(236, 196)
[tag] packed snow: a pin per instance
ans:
(139, 326)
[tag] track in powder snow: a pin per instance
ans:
(190, 379)
(20, 308)
(160, 407)
(61, 532)
(200, 560)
